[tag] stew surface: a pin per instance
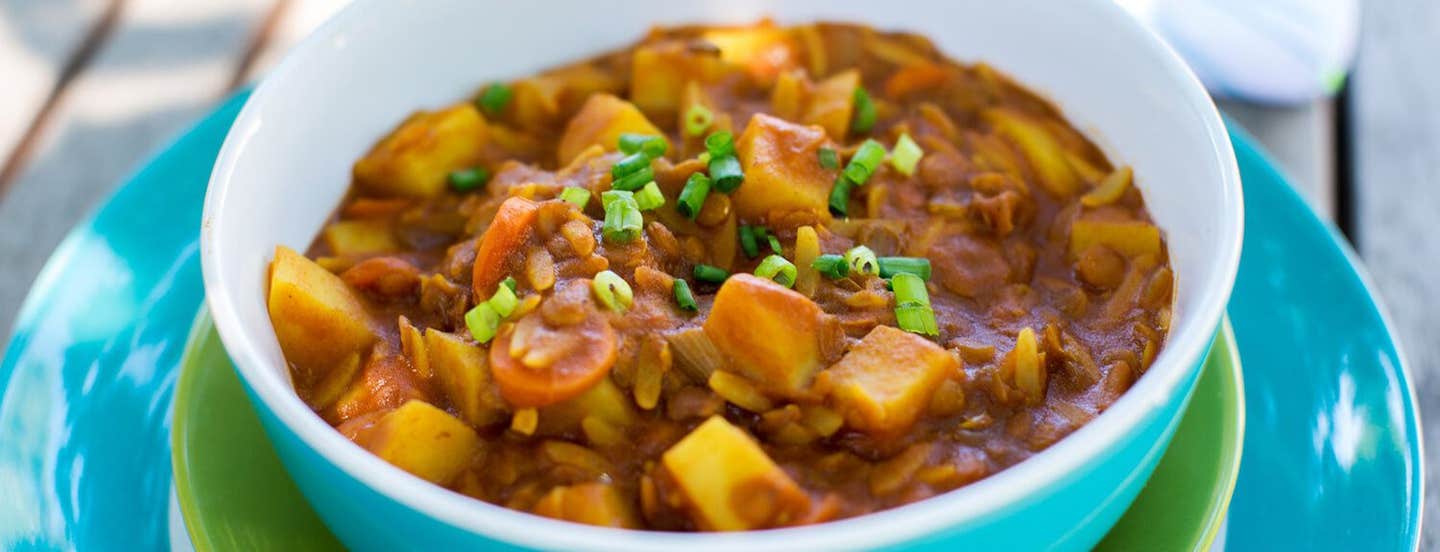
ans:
(726, 279)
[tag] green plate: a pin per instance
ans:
(235, 495)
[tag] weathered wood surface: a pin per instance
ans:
(164, 63)
(1396, 109)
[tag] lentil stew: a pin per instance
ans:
(727, 278)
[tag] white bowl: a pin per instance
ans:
(286, 165)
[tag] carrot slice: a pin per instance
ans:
(501, 241)
(913, 78)
(551, 365)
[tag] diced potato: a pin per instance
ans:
(464, 376)
(729, 482)
(605, 401)
(884, 383)
(592, 503)
(349, 238)
(539, 101)
(659, 71)
(771, 334)
(1131, 238)
(764, 50)
(601, 121)
(831, 103)
(318, 321)
(782, 174)
(416, 159)
(422, 440)
(334, 384)
(1045, 154)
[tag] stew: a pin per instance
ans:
(726, 279)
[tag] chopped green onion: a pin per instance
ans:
(649, 197)
(910, 290)
(862, 260)
(829, 160)
(919, 266)
(482, 321)
(698, 119)
(866, 160)
(777, 268)
(465, 180)
(504, 301)
(634, 181)
(510, 282)
(692, 196)
(720, 144)
(649, 144)
(917, 319)
(725, 173)
(704, 158)
(906, 155)
(774, 244)
(864, 112)
(912, 311)
(609, 196)
(494, 98)
(833, 267)
(612, 291)
(630, 164)
(712, 274)
(747, 241)
(622, 217)
(840, 196)
(683, 295)
(576, 195)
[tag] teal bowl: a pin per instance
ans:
(285, 165)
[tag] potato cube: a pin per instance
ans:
(884, 383)
(422, 440)
(832, 102)
(764, 50)
(781, 171)
(1044, 153)
(605, 402)
(771, 334)
(1131, 238)
(349, 238)
(659, 71)
(318, 321)
(601, 121)
(729, 481)
(464, 373)
(416, 159)
(591, 503)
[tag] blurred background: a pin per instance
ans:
(1344, 93)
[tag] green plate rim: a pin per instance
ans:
(1210, 509)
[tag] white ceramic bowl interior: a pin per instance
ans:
(287, 161)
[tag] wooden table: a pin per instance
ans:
(103, 83)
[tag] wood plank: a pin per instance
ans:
(301, 17)
(167, 62)
(1396, 94)
(1302, 139)
(44, 44)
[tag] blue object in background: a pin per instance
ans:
(85, 385)
(1332, 451)
(1332, 438)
